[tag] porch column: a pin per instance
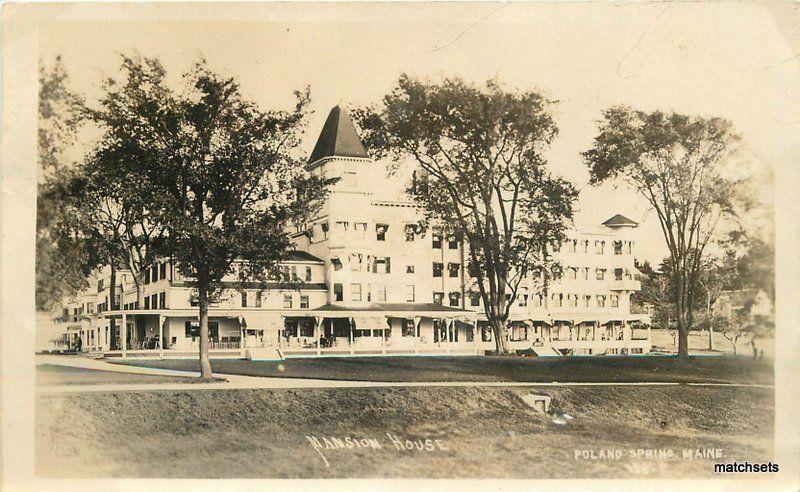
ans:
(449, 333)
(649, 340)
(317, 330)
(242, 349)
(417, 321)
(383, 336)
(475, 342)
(161, 336)
(123, 333)
(351, 336)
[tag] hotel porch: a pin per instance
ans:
(573, 335)
(381, 329)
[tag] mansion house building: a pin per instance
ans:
(367, 282)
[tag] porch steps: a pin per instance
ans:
(263, 354)
(547, 352)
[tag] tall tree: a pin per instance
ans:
(482, 176)
(680, 165)
(217, 172)
(62, 259)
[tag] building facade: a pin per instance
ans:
(366, 280)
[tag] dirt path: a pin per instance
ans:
(257, 382)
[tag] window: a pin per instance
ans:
(437, 269)
(338, 292)
(380, 293)
(355, 292)
(303, 302)
(438, 297)
(287, 301)
(337, 263)
(356, 261)
(587, 300)
(369, 292)
(586, 273)
(538, 300)
(452, 242)
(154, 301)
(294, 275)
(409, 268)
(380, 231)
(410, 293)
(146, 279)
(154, 275)
(349, 180)
(599, 246)
(630, 247)
(436, 240)
(162, 300)
(453, 269)
(601, 301)
(617, 247)
(600, 274)
(244, 298)
(523, 297)
(455, 298)
(147, 302)
(383, 265)
(572, 273)
(411, 231)
(559, 298)
(342, 226)
(324, 226)
(573, 300)
(360, 228)
(586, 246)
(259, 294)
(474, 299)
(614, 300)
(409, 330)
(308, 274)
(618, 273)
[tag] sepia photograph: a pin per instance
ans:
(401, 240)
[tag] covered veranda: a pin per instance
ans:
(378, 329)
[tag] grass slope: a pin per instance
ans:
(51, 374)
(529, 369)
(487, 432)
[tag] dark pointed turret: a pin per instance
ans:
(338, 138)
(619, 221)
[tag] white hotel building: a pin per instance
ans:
(368, 284)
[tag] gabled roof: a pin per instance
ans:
(619, 221)
(338, 138)
(303, 256)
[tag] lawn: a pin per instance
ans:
(526, 369)
(51, 374)
(481, 432)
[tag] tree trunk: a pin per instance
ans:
(501, 343)
(710, 324)
(683, 339)
(112, 305)
(205, 361)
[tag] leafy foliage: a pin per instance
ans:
(681, 166)
(63, 259)
(217, 173)
(481, 175)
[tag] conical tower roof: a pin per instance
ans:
(338, 138)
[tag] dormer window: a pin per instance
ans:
(380, 231)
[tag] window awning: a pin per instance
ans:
(261, 321)
(370, 322)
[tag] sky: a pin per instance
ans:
(735, 60)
